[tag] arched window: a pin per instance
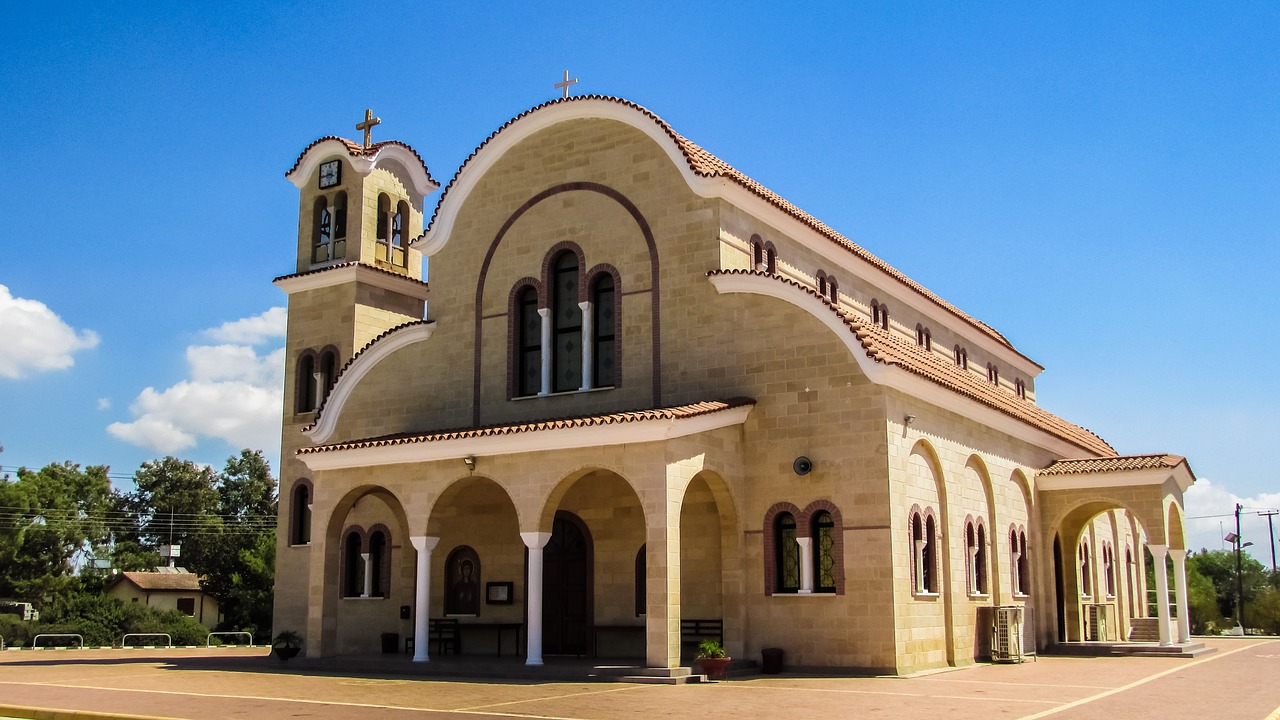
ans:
(993, 374)
(824, 556)
(379, 549)
(833, 290)
(339, 227)
(1086, 581)
(529, 349)
(462, 582)
(924, 338)
(787, 552)
(566, 331)
(962, 358)
(884, 316)
(400, 226)
(1108, 571)
(300, 513)
(875, 312)
(980, 562)
(923, 551)
(383, 235)
(642, 582)
(305, 391)
(322, 231)
(603, 327)
(352, 565)
(757, 254)
(328, 373)
(822, 284)
(1020, 386)
(1024, 565)
(770, 260)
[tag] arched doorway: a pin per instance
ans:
(567, 582)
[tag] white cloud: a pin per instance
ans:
(1210, 513)
(104, 403)
(35, 338)
(233, 393)
(251, 330)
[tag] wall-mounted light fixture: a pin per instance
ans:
(909, 419)
(470, 462)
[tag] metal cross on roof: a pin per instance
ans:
(367, 125)
(564, 84)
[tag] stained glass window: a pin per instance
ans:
(788, 552)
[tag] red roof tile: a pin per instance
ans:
(890, 348)
(164, 581)
(681, 412)
(705, 164)
(355, 149)
(1113, 464)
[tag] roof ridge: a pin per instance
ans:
(355, 149)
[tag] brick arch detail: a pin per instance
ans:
(837, 547)
(769, 535)
(552, 254)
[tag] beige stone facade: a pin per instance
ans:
(588, 429)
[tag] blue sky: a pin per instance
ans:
(1099, 181)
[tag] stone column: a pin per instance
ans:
(422, 595)
(545, 314)
(535, 541)
(368, 575)
(806, 565)
(920, 585)
(1180, 593)
(1014, 578)
(588, 347)
(1158, 554)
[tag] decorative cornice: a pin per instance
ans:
(352, 272)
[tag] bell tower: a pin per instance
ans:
(360, 204)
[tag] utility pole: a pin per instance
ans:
(1268, 514)
(1239, 574)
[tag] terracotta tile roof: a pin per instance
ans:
(164, 581)
(1113, 464)
(355, 149)
(353, 263)
(890, 348)
(705, 164)
(681, 412)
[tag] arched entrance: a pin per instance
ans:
(567, 582)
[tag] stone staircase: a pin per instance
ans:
(1144, 630)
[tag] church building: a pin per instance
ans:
(638, 399)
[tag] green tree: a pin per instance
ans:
(1219, 566)
(174, 502)
(50, 521)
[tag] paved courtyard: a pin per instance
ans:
(1240, 681)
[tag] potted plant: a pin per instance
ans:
(287, 644)
(712, 659)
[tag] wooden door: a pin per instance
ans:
(567, 588)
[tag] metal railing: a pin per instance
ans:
(208, 642)
(168, 640)
(78, 636)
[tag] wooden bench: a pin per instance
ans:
(443, 632)
(695, 630)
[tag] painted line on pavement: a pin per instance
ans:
(1018, 684)
(304, 701)
(1275, 715)
(1143, 681)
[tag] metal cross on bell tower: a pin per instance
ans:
(367, 125)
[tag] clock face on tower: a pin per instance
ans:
(330, 173)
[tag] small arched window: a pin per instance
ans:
(305, 392)
(824, 552)
(339, 227)
(924, 338)
(603, 328)
(566, 329)
(529, 349)
(378, 565)
(822, 284)
(787, 552)
(352, 565)
(976, 541)
(328, 374)
(770, 260)
(1020, 386)
(300, 514)
(923, 552)
(757, 255)
(884, 316)
(1086, 579)
(383, 235)
(1024, 565)
(322, 231)
(875, 312)
(833, 290)
(400, 226)
(1108, 571)
(993, 374)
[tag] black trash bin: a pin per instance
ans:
(390, 643)
(772, 664)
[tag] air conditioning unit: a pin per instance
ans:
(1006, 634)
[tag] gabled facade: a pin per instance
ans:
(645, 389)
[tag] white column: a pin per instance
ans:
(1016, 587)
(588, 347)
(368, 575)
(973, 571)
(919, 560)
(1180, 592)
(319, 384)
(806, 565)
(535, 541)
(1158, 554)
(421, 595)
(545, 314)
